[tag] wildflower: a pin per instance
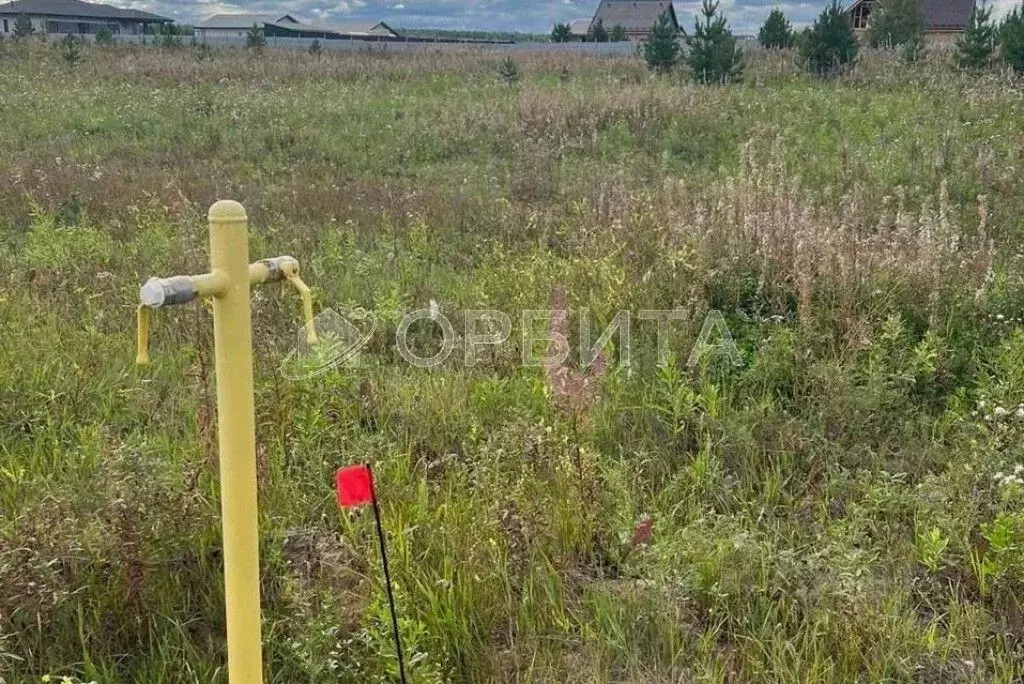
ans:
(642, 531)
(1007, 480)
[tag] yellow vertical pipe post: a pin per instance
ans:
(232, 330)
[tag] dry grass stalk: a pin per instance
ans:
(574, 390)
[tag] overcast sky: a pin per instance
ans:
(492, 15)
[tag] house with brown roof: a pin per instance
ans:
(944, 20)
(637, 17)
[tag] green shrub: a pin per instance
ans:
(776, 33)
(52, 246)
(618, 34)
(714, 56)
(829, 47)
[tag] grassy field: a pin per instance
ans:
(844, 506)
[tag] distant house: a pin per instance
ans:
(379, 29)
(578, 28)
(231, 26)
(75, 17)
(638, 17)
(238, 25)
(944, 20)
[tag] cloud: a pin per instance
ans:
(744, 16)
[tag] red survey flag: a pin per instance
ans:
(355, 486)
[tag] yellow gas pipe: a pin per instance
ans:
(228, 285)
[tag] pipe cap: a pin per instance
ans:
(227, 210)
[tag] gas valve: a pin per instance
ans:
(156, 293)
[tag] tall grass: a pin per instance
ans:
(845, 506)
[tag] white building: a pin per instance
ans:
(229, 27)
(238, 25)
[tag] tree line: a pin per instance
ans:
(828, 47)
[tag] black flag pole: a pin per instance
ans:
(387, 576)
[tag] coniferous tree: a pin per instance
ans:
(1011, 39)
(895, 22)
(618, 34)
(256, 38)
(829, 46)
(508, 70)
(976, 44)
(104, 37)
(70, 50)
(714, 56)
(561, 33)
(597, 33)
(661, 49)
(776, 33)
